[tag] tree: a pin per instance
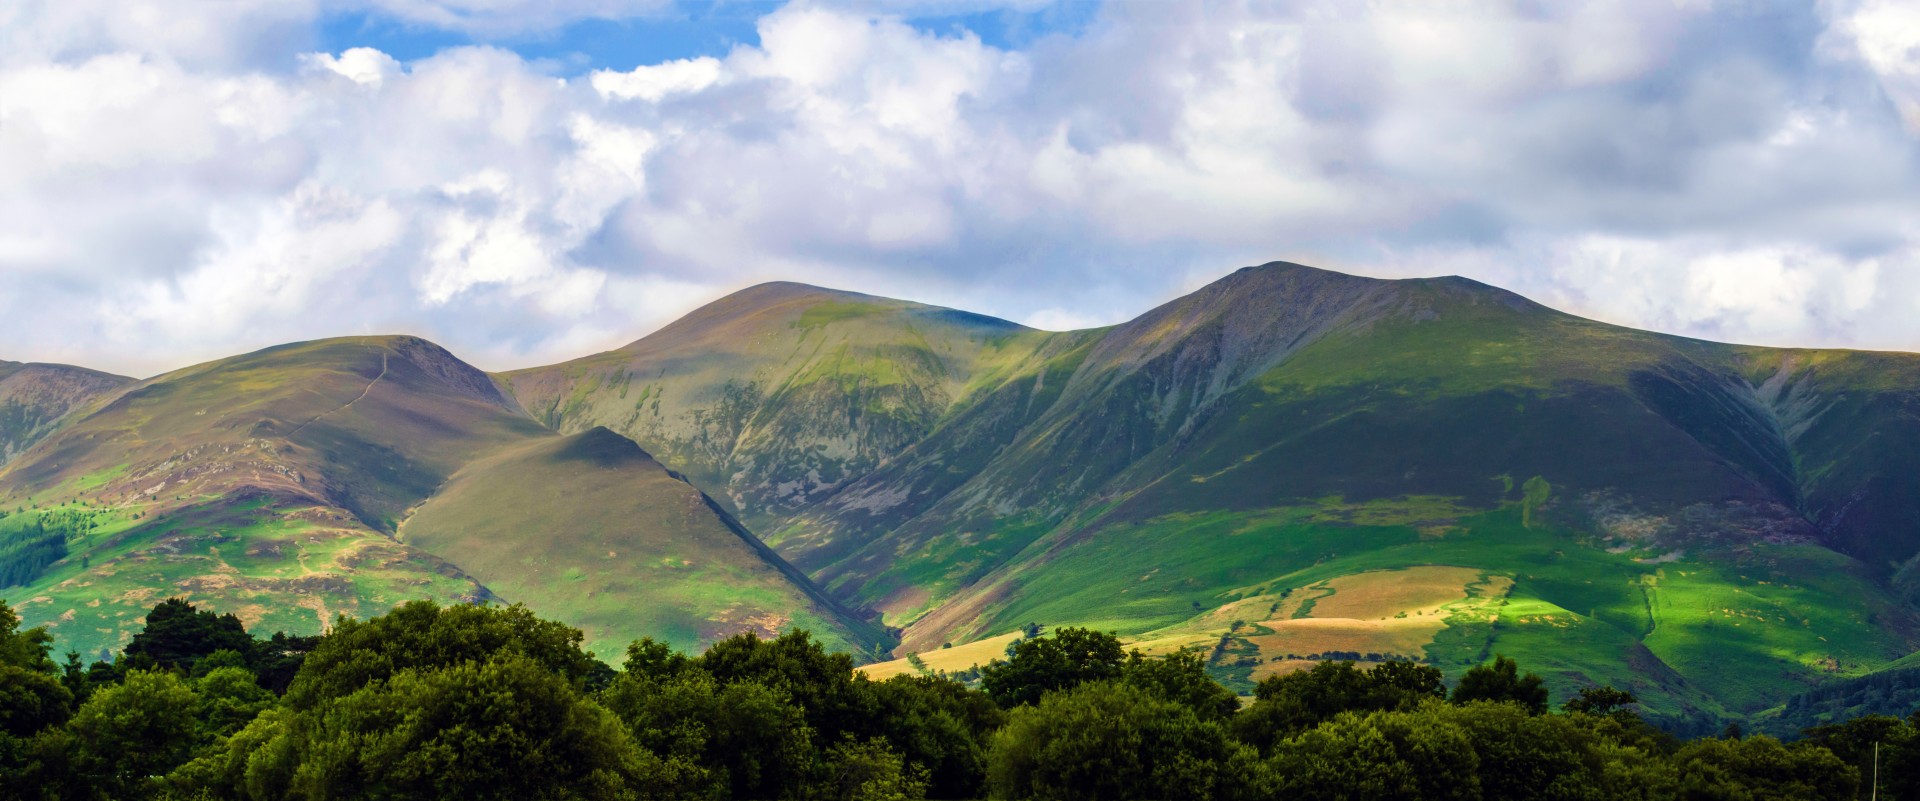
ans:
(230, 698)
(1038, 665)
(1855, 742)
(1501, 681)
(507, 728)
(1288, 704)
(32, 695)
(941, 726)
(1181, 677)
(1379, 755)
(128, 734)
(177, 635)
(1761, 768)
(1600, 701)
(422, 635)
(736, 740)
(868, 770)
(1111, 740)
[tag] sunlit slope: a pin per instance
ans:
(367, 424)
(771, 397)
(35, 399)
(265, 485)
(1321, 413)
(589, 529)
(272, 484)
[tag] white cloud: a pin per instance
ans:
(659, 80)
(362, 65)
(183, 190)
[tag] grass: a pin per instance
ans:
(1712, 631)
(589, 530)
(956, 659)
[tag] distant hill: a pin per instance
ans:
(272, 485)
(1288, 465)
(36, 398)
(1714, 525)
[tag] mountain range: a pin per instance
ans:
(1288, 464)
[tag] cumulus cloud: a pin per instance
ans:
(198, 185)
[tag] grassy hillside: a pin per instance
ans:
(36, 398)
(1685, 517)
(773, 396)
(590, 529)
(272, 484)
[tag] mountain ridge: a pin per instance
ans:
(1285, 463)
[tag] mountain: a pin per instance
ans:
(273, 485)
(1289, 464)
(36, 398)
(774, 395)
(639, 553)
(1714, 526)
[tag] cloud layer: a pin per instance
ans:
(178, 185)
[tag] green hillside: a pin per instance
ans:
(771, 397)
(271, 485)
(590, 529)
(36, 398)
(1285, 466)
(1717, 526)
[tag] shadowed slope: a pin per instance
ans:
(773, 396)
(590, 529)
(270, 485)
(1132, 477)
(35, 399)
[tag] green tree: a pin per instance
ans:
(1855, 742)
(177, 635)
(1111, 740)
(1603, 700)
(1288, 704)
(941, 726)
(737, 740)
(128, 734)
(868, 770)
(1379, 755)
(230, 698)
(1038, 665)
(32, 695)
(1761, 768)
(507, 728)
(422, 635)
(1181, 677)
(1501, 681)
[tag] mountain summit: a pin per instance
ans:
(1287, 465)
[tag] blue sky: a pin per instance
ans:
(526, 181)
(686, 30)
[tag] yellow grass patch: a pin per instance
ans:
(949, 660)
(1385, 593)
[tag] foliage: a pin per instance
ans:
(1501, 681)
(1112, 740)
(495, 703)
(177, 636)
(1037, 665)
(422, 635)
(1763, 769)
(1288, 704)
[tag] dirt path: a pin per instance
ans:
(348, 404)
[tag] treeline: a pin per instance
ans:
(38, 539)
(471, 702)
(1889, 692)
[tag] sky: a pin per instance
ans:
(526, 181)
